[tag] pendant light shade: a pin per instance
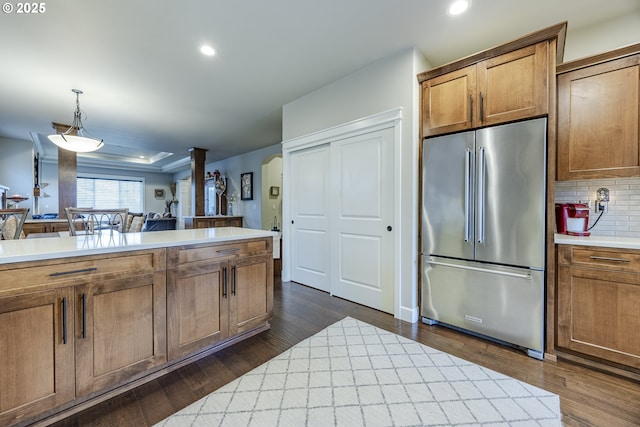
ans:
(76, 138)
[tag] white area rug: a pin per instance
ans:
(354, 374)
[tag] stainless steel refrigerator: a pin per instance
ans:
(483, 232)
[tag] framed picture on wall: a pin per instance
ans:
(246, 182)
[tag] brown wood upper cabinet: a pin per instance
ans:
(504, 88)
(598, 116)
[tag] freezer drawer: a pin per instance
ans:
(500, 302)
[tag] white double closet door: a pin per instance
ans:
(341, 201)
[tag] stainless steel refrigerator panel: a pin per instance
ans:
(447, 197)
(510, 195)
(504, 303)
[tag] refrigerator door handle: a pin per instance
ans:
(467, 195)
(526, 276)
(481, 194)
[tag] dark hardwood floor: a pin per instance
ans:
(587, 397)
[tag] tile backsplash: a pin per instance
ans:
(621, 219)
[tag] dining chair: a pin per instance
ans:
(11, 223)
(94, 221)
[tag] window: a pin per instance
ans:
(111, 193)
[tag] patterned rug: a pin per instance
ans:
(354, 374)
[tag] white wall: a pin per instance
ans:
(384, 85)
(603, 37)
(232, 167)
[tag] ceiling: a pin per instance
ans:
(148, 89)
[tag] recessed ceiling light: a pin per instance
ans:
(458, 7)
(207, 50)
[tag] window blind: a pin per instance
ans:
(103, 193)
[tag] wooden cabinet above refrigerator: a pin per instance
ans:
(506, 83)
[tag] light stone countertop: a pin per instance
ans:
(601, 241)
(71, 246)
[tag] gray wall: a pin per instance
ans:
(232, 167)
(16, 168)
(16, 172)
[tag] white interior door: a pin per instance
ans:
(309, 198)
(362, 234)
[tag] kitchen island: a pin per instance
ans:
(85, 318)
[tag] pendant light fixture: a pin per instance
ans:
(76, 138)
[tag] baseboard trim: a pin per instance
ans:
(408, 314)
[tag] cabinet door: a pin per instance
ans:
(598, 124)
(598, 314)
(197, 306)
(513, 86)
(251, 293)
(120, 330)
(36, 353)
(447, 102)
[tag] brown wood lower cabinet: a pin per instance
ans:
(120, 330)
(251, 298)
(197, 306)
(36, 353)
(217, 291)
(76, 331)
(598, 304)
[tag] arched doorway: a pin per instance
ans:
(272, 192)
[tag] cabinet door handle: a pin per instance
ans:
(224, 282)
(82, 270)
(233, 288)
(83, 299)
(604, 258)
(470, 108)
(481, 107)
(64, 320)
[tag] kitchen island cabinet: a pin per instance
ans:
(86, 319)
(36, 350)
(217, 291)
(598, 116)
(598, 300)
(120, 324)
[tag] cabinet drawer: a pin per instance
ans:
(32, 276)
(605, 259)
(182, 255)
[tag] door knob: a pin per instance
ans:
(389, 228)
(291, 221)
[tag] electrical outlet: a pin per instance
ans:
(602, 199)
